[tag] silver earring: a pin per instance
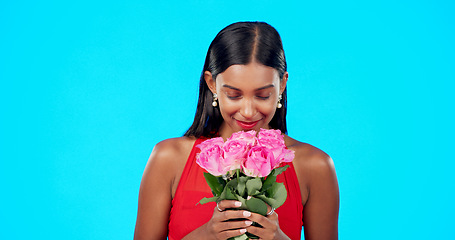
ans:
(215, 97)
(279, 105)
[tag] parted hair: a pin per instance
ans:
(239, 43)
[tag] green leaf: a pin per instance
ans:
(253, 186)
(278, 171)
(230, 194)
(232, 183)
(241, 186)
(269, 201)
(227, 191)
(214, 184)
(243, 201)
(275, 196)
(276, 190)
(271, 178)
(207, 200)
(256, 205)
(268, 182)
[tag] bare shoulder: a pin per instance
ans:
(308, 155)
(168, 160)
(158, 184)
(172, 150)
(314, 168)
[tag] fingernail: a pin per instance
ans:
(248, 223)
(242, 231)
(238, 204)
(246, 214)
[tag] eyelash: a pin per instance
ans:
(263, 98)
(233, 97)
(237, 97)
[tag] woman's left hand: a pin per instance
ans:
(270, 227)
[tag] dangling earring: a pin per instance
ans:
(215, 97)
(279, 105)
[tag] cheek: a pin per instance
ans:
(267, 109)
(227, 107)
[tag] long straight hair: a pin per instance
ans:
(238, 43)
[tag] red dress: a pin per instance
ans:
(186, 215)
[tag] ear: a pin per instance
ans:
(283, 82)
(210, 81)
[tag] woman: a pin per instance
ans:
(242, 87)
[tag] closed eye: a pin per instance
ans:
(263, 97)
(233, 97)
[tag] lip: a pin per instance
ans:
(247, 125)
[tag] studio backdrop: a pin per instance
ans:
(89, 87)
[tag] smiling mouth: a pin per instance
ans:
(247, 125)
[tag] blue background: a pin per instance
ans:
(89, 87)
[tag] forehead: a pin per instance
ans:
(250, 76)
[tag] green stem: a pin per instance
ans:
(238, 173)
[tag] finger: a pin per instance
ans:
(225, 204)
(270, 211)
(231, 225)
(232, 215)
(262, 233)
(231, 233)
(269, 226)
(269, 208)
(264, 221)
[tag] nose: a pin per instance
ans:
(248, 109)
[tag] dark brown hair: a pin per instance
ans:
(238, 43)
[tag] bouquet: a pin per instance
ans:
(244, 168)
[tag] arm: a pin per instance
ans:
(320, 213)
(155, 195)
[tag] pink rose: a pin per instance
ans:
(211, 156)
(285, 156)
(258, 162)
(271, 135)
(274, 141)
(210, 142)
(247, 137)
(235, 152)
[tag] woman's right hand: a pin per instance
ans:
(224, 224)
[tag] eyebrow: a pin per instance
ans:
(261, 88)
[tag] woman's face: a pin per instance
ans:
(247, 96)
